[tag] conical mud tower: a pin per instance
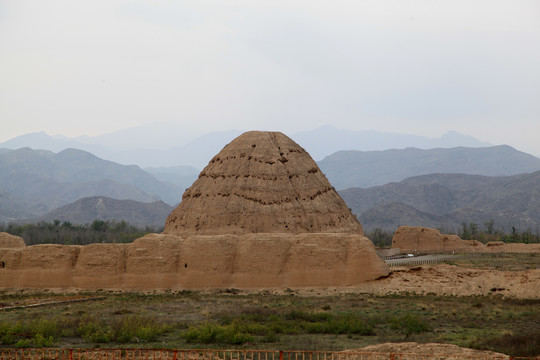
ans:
(262, 182)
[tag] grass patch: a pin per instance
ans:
(209, 333)
(525, 344)
(409, 324)
(239, 320)
(30, 333)
(500, 261)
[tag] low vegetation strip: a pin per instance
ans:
(312, 320)
(66, 233)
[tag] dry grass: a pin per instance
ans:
(500, 261)
(259, 320)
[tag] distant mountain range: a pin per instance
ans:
(448, 200)
(34, 182)
(163, 145)
(347, 169)
(86, 210)
(327, 140)
(195, 153)
(181, 176)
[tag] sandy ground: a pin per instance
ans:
(430, 351)
(443, 279)
(440, 279)
(436, 279)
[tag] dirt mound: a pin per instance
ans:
(500, 247)
(10, 241)
(261, 182)
(434, 349)
(445, 279)
(411, 239)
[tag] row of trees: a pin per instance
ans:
(471, 231)
(100, 231)
(58, 232)
(488, 232)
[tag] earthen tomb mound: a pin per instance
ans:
(261, 182)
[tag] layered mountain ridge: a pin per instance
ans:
(36, 182)
(449, 200)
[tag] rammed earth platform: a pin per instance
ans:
(159, 261)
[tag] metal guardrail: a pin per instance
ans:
(162, 354)
(420, 260)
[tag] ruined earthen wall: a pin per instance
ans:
(159, 261)
(500, 247)
(410, 239)
(11, 241)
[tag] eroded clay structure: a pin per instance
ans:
(411, 239)
(262, 182)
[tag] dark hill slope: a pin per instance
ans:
(86, 210)
(34, 182)
(448, 200)
(347, 169)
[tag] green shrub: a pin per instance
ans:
(341, 324)
(133, 328)
(23, 343)
(209, 333)
(204, 333)
(525, 344)
(409, 324)
(297, 315)
(104, 334)
(95, 332)
(249, 327)
(37, 333)
(270, 338)
(280, 326)
(47, 328)
(147, 333)
(42, 341)
(7, 332)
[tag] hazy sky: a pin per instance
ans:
(422, 66)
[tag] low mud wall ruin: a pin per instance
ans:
(413, 239)
(158, 261)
